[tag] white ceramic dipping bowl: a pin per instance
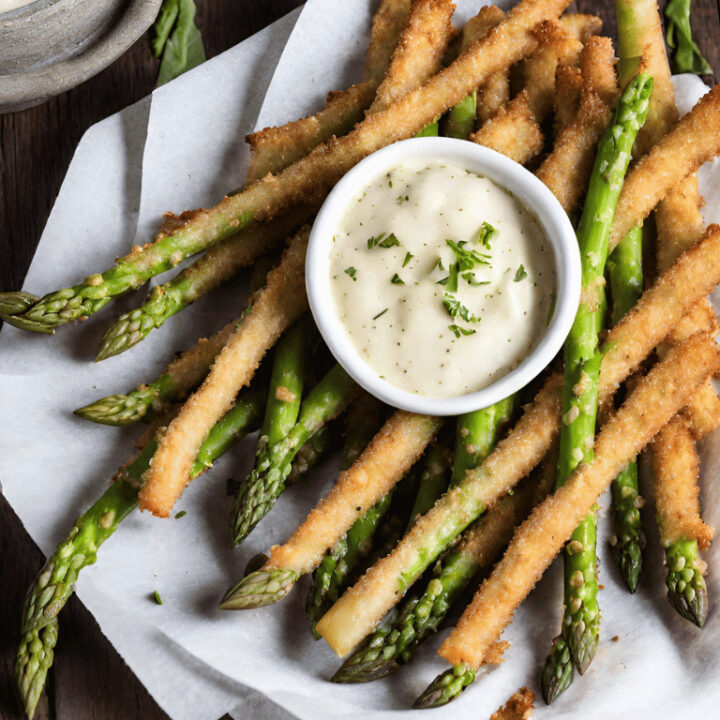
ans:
(506, 173)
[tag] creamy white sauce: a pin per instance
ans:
(403, 330)
(6, 5)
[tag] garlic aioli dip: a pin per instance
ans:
(442, 279)
(7, 5)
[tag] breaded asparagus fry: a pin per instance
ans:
(567, 168)
(495, 91)
(597, 66)
(628, 344)
(512, 131)
(419, 51)
(568, 83)
(677, 495)
(391, 453)
(702, 410)
(651, 405)
(694, 140)
(361, 607)
(274, 148)
(273, 309)
(580, 25)
(679, 221)
(389, 20)
(556, 46)
(659, 309)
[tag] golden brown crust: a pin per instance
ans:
(391, 453)
(556, 46)
(676, 474)
(660, 308)
(359, 610)
(597, 67)
(273, 309)
(657, 397)
(568, 84)
(419, 51)
(388, 23)
(512, 131)
(566, 170)
(520, 706)
(694, 140)
(274, 148)
(580, 25)
(703, 411)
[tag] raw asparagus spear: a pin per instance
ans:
(273, 464)
(687, 591)
(14, 303)
(423, 611)
(178, 378)
(329, 578)
(219, 264)
(55, 583)
(446, 687)
(626, 283)
(582, 358)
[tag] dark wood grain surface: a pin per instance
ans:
(89, 680)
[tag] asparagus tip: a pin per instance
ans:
(16, 303)
(365, 671)
(260, 588)
(445, 687)
(115, 410)
(557, 672)
(630, 561)
(583, 643)
(691, 602)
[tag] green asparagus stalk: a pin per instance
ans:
(687, 591)
(434, 481)
(54, 585)
(423, 611)
(312, 453)
(332, 574)
(215, 267)
(286, 383)
(459, 121)
(267, 481)
(446, 687)
(178, 378)
(582, 356)
(626, 283)
(14, 303)
(430, 130)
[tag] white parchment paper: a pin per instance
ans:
(183, 148)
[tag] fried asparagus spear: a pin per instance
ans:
(215, 267)
(328, 399)
(654, 401)
(277, 306)
(178, 378)
(307, 180)
(55, 582)
(679, 225)
(626, 281)
(423, 610)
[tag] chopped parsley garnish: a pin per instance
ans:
(384, 240)
(439, 264)
(452, 280)
(458, 331)
(180, 514)
(380, 314)
(443, 281)
(403, 198)
(397, 280)
(520, 274)
(470, 279)
(457, 309)
(408, 257)
(484, 235)
(156, 597)
(467, 259)
(351, 271)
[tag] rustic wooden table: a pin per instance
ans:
(89, 679)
